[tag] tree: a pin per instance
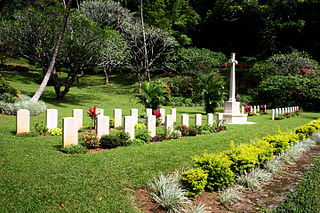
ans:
(212, 90)
(46, 78)
(33, 34)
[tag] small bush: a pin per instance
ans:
(35, 108)
(281, 141)
(41, 129)
(140, 126)
(183, 129)
(175, 134)
(55, 131)
(265, 151)
(110, 141)
(193, 131)
(111, 122)
(218, 168)
(194, 180)
(124, 137)
(137, 142)
(168, 193)
(254, 178)
(305, 131)
(143, 134)
(74, 149)
(231, 194)
(89, 140)
(198, 208)
(273, 166)
(243, 158)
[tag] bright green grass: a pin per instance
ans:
(36, 177)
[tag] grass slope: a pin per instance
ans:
(36, 177)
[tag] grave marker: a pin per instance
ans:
(69, 131)
(134, 114)
(185, 119)
(102, 125)
(174, 114)
(210, 119)
(151, 124)
(23, 121)
(129, 126)
(169, 125)
(78, 115)
(52, 118)
(198, 119)
(117, 116)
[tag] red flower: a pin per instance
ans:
(247, 108)
(93, 112)
(157, 113)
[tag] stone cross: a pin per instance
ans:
(233, 77)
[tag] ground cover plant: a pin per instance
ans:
(36, 176)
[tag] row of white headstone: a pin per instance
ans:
(71, 125)
(280, 111)
(255, 109)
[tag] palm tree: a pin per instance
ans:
(46, 78)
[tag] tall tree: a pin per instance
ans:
(46, 78)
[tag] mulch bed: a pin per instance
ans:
(269, 197)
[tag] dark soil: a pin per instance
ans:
(269, 197)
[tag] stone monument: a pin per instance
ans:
(232, 113)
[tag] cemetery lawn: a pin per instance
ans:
(36, 177)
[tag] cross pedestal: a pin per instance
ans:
(232, 113)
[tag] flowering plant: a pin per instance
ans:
(93, 113)
(247, 108)
(157, 113)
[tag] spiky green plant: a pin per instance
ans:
(198, 208)
(254, 178)
(231, 194)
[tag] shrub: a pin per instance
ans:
(158, 139)
(305, 131)
(243, 158)
(194, 180)
(183, 129)
(265, 151)
(111, 122)
(273, 166)
(140, 126)
(193, 131)
(281, 141)
(110, 141)
(35, 108)
(55, 131)
(137, 142)
(41, 129)
(231, 194)
(175, 134)
(89, 140)
(74, 149)
(218, 168)
(168, 193)
(254, 178)
(143, 134)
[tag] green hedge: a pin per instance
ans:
(222, 168)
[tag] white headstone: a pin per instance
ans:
(117, 116)
(242, 109)
(78, 115)
(273, 113)
(198, 119)
(169, 124)
(100, 111)
(210, 119)
(282, 110)
(102, 125)
(163, 115)
(23, 121)
(174, 114)
(254, 110)
(258, 109)
(277, 111)
(69, 131)
(52, 118)
(148, 111)
(129, 125)
(134, 114)
(151, 124)
(220, 116)
(185, 119)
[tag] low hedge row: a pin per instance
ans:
(213, 172)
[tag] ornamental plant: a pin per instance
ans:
(158, 116)
(93, 114)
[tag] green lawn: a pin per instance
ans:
(36, 177)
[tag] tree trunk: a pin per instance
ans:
(146, 61)
(46, 78)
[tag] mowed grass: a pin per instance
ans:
(36, 177)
